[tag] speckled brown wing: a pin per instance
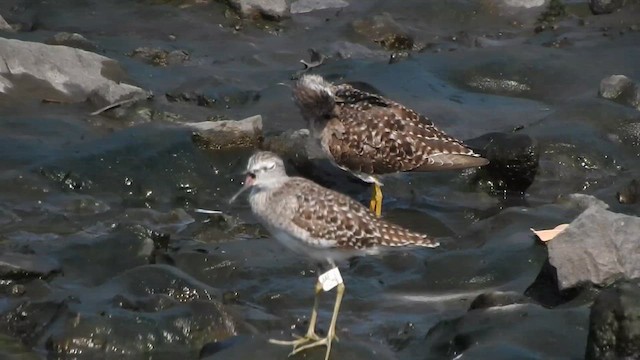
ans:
(380, 136)
(332, 219)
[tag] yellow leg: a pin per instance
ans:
(311, 331)
(375, 205)
(331, 334)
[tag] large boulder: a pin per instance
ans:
(598, 247)
(36, 71)
(614, 324)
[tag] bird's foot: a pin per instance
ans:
(320, 342)
(299, 341)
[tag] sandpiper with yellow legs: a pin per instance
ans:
(369, 135)
(321, 224)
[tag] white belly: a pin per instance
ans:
(318, 253)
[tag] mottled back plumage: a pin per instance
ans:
(318, 221)
(368, 134)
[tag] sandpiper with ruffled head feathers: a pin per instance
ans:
(369, 135)
(319, 223)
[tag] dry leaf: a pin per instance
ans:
(546, 235)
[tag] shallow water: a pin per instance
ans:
(142, 274)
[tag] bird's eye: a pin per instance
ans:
(251, 175)
(270, 166)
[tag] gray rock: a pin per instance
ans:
(111, 93)
(598, 247)
(16, 265)
(268, 9)
(228, 133)
(30, 70)
(304, 6)
(5, 26)
(73, 40)
(605, 6)
(614, 324)
(621, 89)
(613, 86)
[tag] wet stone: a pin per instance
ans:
(599, 247)
(544, 289)
(160, 57)
(149, 309)
(605, 6)
(225, 134)
(384, 30)
(173, 221)
(630, 193)
(513, 162)
(73, 40)
(20, 266)
(224, 97)
(507, 332)
(621, 89)
(614, 323)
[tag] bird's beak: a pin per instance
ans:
(248, 182)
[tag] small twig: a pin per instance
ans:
(117, 104)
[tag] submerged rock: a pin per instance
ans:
(38, 71)
(73, 40)
(384, 30)
(513, 161)
(18, 266)
(614, 323)
(160, 57)
(228, 133)
(518, 331)
(154, 310)
(605, 6)
(598, 247)
(621, 89)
